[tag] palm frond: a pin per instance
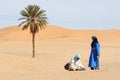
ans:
(24, 13)
(22, 18)
(36, 10)
(25, 26)
(29, 9)
(22, 23)
(41, 25)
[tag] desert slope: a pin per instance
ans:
(16, 33)
(55, 32)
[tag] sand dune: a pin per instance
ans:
(54, 32)
(16, 33)
(54, 47)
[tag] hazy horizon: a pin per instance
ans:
(78, 14)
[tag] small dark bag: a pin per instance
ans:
(67, 66)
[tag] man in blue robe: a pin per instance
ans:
(95, 54)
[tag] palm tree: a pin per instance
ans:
(34, 18)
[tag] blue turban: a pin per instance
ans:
(76, 57)
(94, 37)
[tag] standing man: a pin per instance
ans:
(95, 54)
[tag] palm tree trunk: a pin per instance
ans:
(33, 43)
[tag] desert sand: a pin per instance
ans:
(55, 46)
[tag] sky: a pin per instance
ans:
(72, 14)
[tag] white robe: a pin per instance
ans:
(75, 65)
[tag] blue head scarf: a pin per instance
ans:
(76, 56)
(94, 37)
(95, 40)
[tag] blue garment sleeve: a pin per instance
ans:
(97, 49)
